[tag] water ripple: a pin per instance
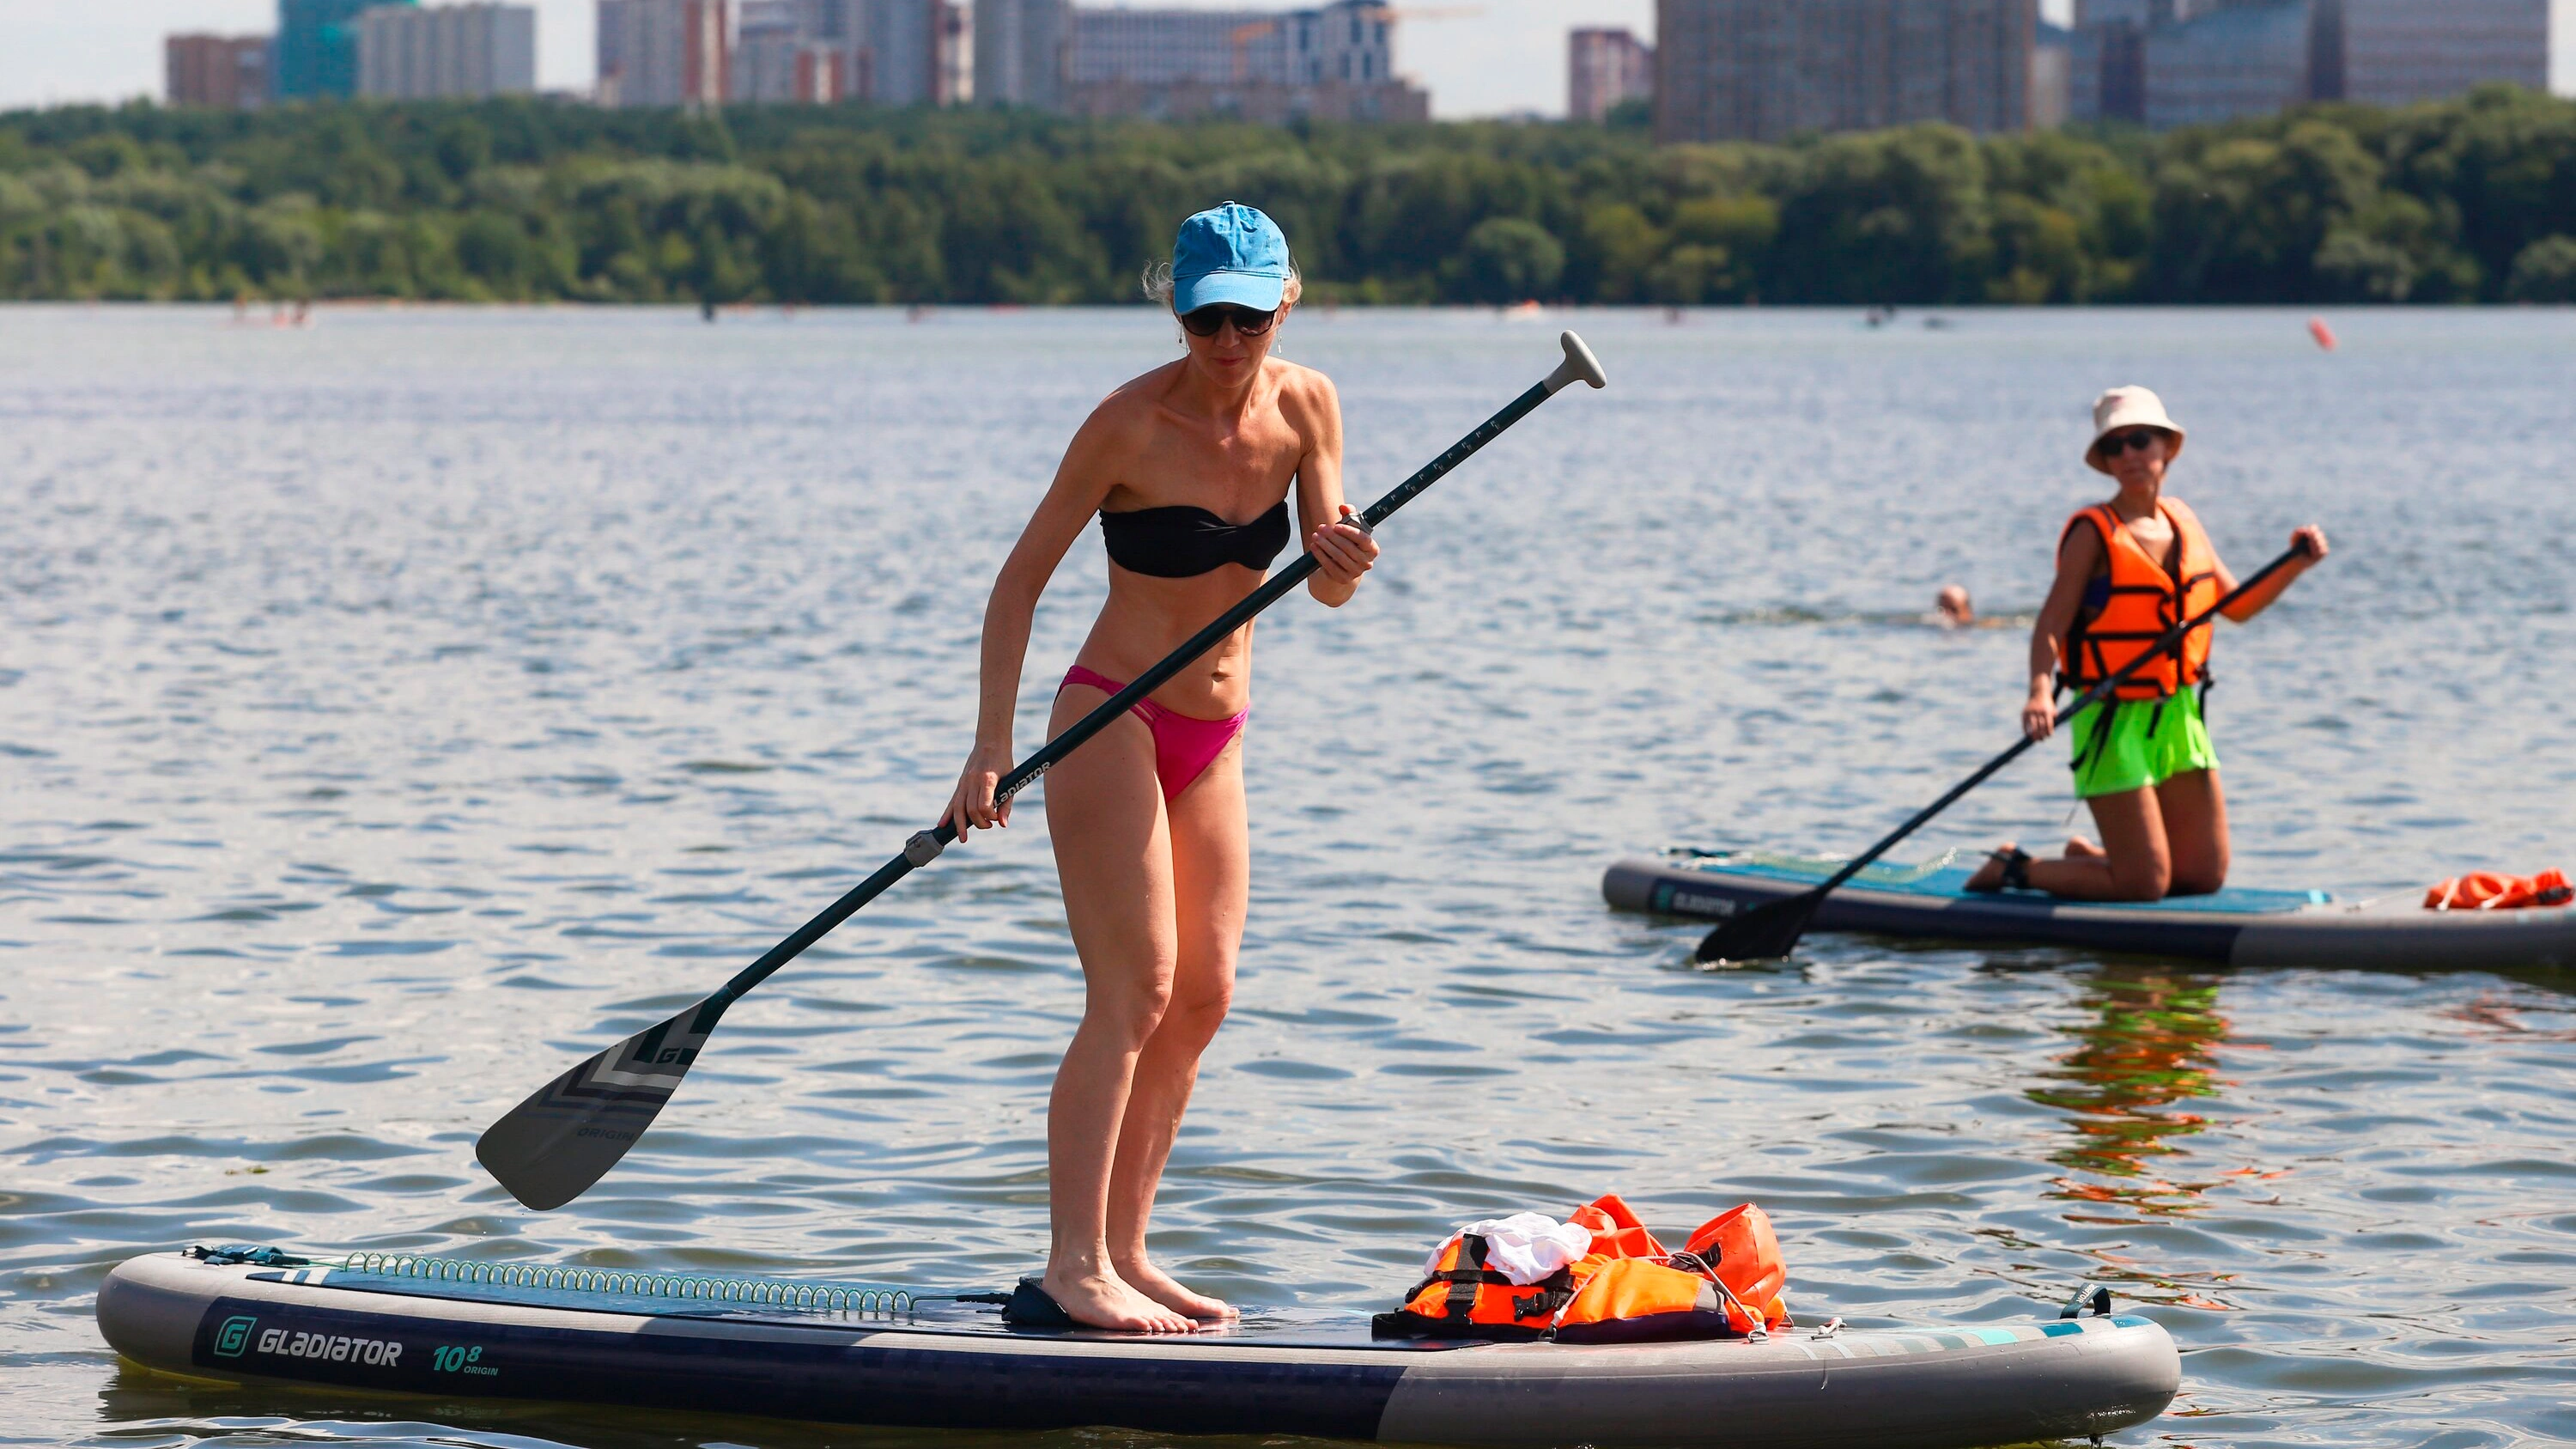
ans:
(397, 711)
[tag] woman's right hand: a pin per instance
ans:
(971, 807)
(2039, 716)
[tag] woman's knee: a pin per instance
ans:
(2147, 877)
(2205, 879)
(1131, 1009)
(1196, 1011)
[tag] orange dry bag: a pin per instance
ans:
(1616, 1232)
(1726, 1283)
(1738, 1247)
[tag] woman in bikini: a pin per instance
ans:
(1189, 468)
(2127, 571)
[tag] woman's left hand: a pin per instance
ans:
(1343, 549)
(2311, 544)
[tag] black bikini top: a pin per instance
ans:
(1183, 542)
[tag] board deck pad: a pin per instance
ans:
(1945, 879)
(874, 1307)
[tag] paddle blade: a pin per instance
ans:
(550, 1148)
(1765, 933)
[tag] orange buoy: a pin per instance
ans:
(2318, 329)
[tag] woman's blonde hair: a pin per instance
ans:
(1159, 284)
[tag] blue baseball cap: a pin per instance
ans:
(1229, 254)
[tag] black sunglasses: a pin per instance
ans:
(1247, 323)
(2138, 438)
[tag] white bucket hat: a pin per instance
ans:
(2128, 407)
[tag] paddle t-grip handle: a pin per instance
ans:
(1579, 366)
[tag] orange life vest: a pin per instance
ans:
(2143, 602)
(1465, 1299)
(2485, 891)
(1629, 1287)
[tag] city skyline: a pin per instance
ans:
(1509, 59)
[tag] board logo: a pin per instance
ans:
(234, 1336)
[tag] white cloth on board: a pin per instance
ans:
(1525, 1247)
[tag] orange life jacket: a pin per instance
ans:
(2484, 891)
(1465, 1299)
(2143, 602)
(1628, 1288)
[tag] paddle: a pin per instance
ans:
(550, 1148)
(1769, 931)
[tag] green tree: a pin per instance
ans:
(2455, 201)
(2545, 271)
(1893, 216)
(1614, 251)
(1506, 259)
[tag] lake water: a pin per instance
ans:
(396, 711)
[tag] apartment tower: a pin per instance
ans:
(1604, 68)
(663, 52)
(221, 72)
(471, 50)
(1766, 70)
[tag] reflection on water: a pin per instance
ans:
(2145, 1045)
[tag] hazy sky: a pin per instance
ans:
(1509, 55)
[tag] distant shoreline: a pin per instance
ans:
(533, 201)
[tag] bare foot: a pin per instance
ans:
(1990, 876)
(2079, 848)
(1103, 1300)
(1163, 1288)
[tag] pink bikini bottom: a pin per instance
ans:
(1184, 746)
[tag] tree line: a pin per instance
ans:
(2472, 200)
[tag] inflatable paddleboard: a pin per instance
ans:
(2240, 927)
(845, 1354)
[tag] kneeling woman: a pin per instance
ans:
(2128, 570)
(1189, 468)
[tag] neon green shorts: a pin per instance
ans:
(2147, 742)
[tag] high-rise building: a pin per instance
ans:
(1604, 68)
(780, 57)
(1019, 52)
(317, 47)
(956, 54)
(2052, 67)
(2399, 51)
(475, 49)
(1765, 70)
(898, 45)
(663, 52)
(1334, 62)
(224, 72)
(889, 52)
(2165, 63)
(2240, 60)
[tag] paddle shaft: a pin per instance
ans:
(2099, 692)
(926, 846)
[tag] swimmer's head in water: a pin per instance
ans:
(1955, 606)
